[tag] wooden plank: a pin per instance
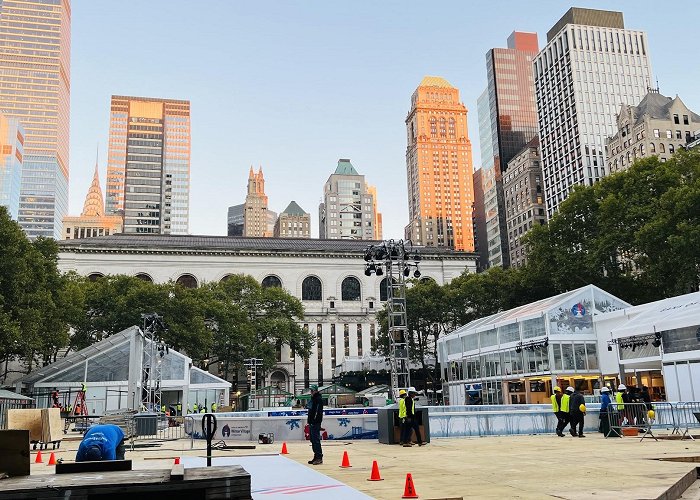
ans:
(26, 419)
(177, 473)
(14, 452)
(100, 466)
(52, 425)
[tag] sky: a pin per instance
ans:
(293, 86)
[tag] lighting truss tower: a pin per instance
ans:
(252, 365)
(395, 258)
(151, 373)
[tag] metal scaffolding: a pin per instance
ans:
(153, 352)
(395, 258)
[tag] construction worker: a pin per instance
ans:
(404, 428)
(577, 405)
(619, 397)
(101, 442)
(195, 408)
(162, 408)
(213, 407)
(411, 419)
(178, 408)
(314, 419)
(83, 387)
(560, 407)
(604, 426)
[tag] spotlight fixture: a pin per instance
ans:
(406, 271)
(610, 347)
(416, 273)
(379, 271)
(518, 349)
(368, 272)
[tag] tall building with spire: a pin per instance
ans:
(35, 88)
(349, 208)
(293, 222)
(256, 216)
(439, 168)
(92, 221)
(148, 169)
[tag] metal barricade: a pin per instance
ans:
(687, 418)
(155, 427)
(638, 416)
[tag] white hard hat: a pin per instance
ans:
(605, 389)
(621, 387)
(412, 389)
(569, 389)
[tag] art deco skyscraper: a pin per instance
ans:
(439, 165)
(258, 221)
(148, 169)
(589, 68)
(507, 122)
(35, 88)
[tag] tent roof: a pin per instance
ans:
(4, 394)
(78, 356)
(375, 389)
(666, 314)
(529, 311)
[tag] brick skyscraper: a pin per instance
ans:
(439, 166)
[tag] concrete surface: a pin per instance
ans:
(525, 467)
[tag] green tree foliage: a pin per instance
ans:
(634, 234)
(36, 303)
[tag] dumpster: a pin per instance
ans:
(389, 426)
(146, 424)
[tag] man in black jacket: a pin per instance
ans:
(575, 413)
(315, 418)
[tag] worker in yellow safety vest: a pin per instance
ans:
(404, 428)
(213, 407)
(619, 397)
(560, 407)
(195, 408)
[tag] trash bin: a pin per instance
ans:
(389, 426)
(146, 424)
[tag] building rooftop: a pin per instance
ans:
(588, 17)
(293, 209)
(123, 242)
(345, 167)
(435, 81)
(656, 105)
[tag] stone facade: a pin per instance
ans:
(524, 199)
(257, 219)
(293, 222)
(658, 125)
(321, 273)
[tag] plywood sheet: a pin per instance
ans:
(52, 425)
(26, 419)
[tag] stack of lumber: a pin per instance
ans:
(123, 419)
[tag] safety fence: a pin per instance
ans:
(644, 418)
(154, 427)
(11, 404)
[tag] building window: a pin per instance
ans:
(675, 119)
(662, 148)
(685, 119)
(346, 339)
(656, 133)
(144, 277)
(311, 288)
(652, 147)
(383, 292)
(359, 339)
(187, 281)
(350, 289)
(271, 281)
(671, 148)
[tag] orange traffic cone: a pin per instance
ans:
(409, 490)
(375, 473)
(38, 458)
(346, 461)
(284, 449)
(52, 459)
(177, 460)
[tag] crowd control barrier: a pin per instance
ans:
(687, 418)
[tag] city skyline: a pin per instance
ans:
(338, 110)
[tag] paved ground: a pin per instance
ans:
(489, 467)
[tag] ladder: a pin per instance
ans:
(80, 400)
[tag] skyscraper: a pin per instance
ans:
(148, 169)
(35, 88)
(507, 122)
(11, 156)
(590, 67)
(92, 221)
(378, 229)
(348, 210)
(258, 221)
(293, 222)
(439, 167)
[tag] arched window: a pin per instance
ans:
(383, 293)
(662, 148)
(652, 147)
(427, 279)
(144, 277)
(95, 276)
(350, 289)
(311, 288)
(443, 127)
(642, 150)
(187, 280)
(271, 281)
(671, 149)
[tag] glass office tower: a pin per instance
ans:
(35, 88)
